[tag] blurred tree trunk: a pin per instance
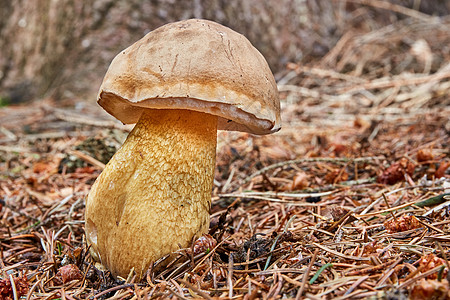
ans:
(62, 48)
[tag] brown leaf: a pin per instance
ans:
(85, 170)
(372, 248)
(336, 176)
(361, 123)
(430, 289)
(68, 273)
(424, 155)
(338, 212)
(42, 167)
(402, 223)
(6, 291)
(339, 149)
(396, 172)
(431, 261)
(440, 172)
(300, 181)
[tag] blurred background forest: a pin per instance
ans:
(62, 48)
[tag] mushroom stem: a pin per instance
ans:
(155, 194)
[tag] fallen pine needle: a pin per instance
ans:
(350, 257)
(322, 268)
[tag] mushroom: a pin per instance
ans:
(180, 83)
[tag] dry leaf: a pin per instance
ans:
(429, 262)
(402, 223)
(372, 248)
(42, 167)
(339, 149)
(68, 273)
(6, 292)
(396, 172)
(300, 181)
(440, 172)
(430, 289)
(336, 176)
(424, 155)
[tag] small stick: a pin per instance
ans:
(88, 159)
(388, 206)
(396, 8)
(385, 210)
(423, 275)
(447, 264)
(198, 291)
(176, 294)
(230, 277)
(388, 272)
(10, 135)
(116, 288)
(355, 285)
(306, 274)
(429, 226)
(369, 269)
(341, 220)
(75, 118)
(13, 287)
(340, 254)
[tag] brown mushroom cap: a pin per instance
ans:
(197, 65)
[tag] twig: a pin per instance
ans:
(262, 195)
(429, 226)
(283, 270)
(228, 182)
(13, 287)
(355, 285)
(230, 277)
(88, 159)
(61, 204)
(369, 269)
(423, 275)
(10, 135)
(386, 210)
(393, 82)
(306, 274)
(350, 257)
(84, 120)
(16, 149)
(397, 8)
(388, 272)
(371, 205)
(388, 206)
(198, 291)
(177, 294)
(447, 264)
(323, 73)
(113, 289)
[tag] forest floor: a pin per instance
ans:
(351, 199)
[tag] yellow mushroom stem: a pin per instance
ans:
(154, 195)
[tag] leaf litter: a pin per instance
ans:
(350, 200)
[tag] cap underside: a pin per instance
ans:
(129, 112)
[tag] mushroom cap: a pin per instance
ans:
(197, 65)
